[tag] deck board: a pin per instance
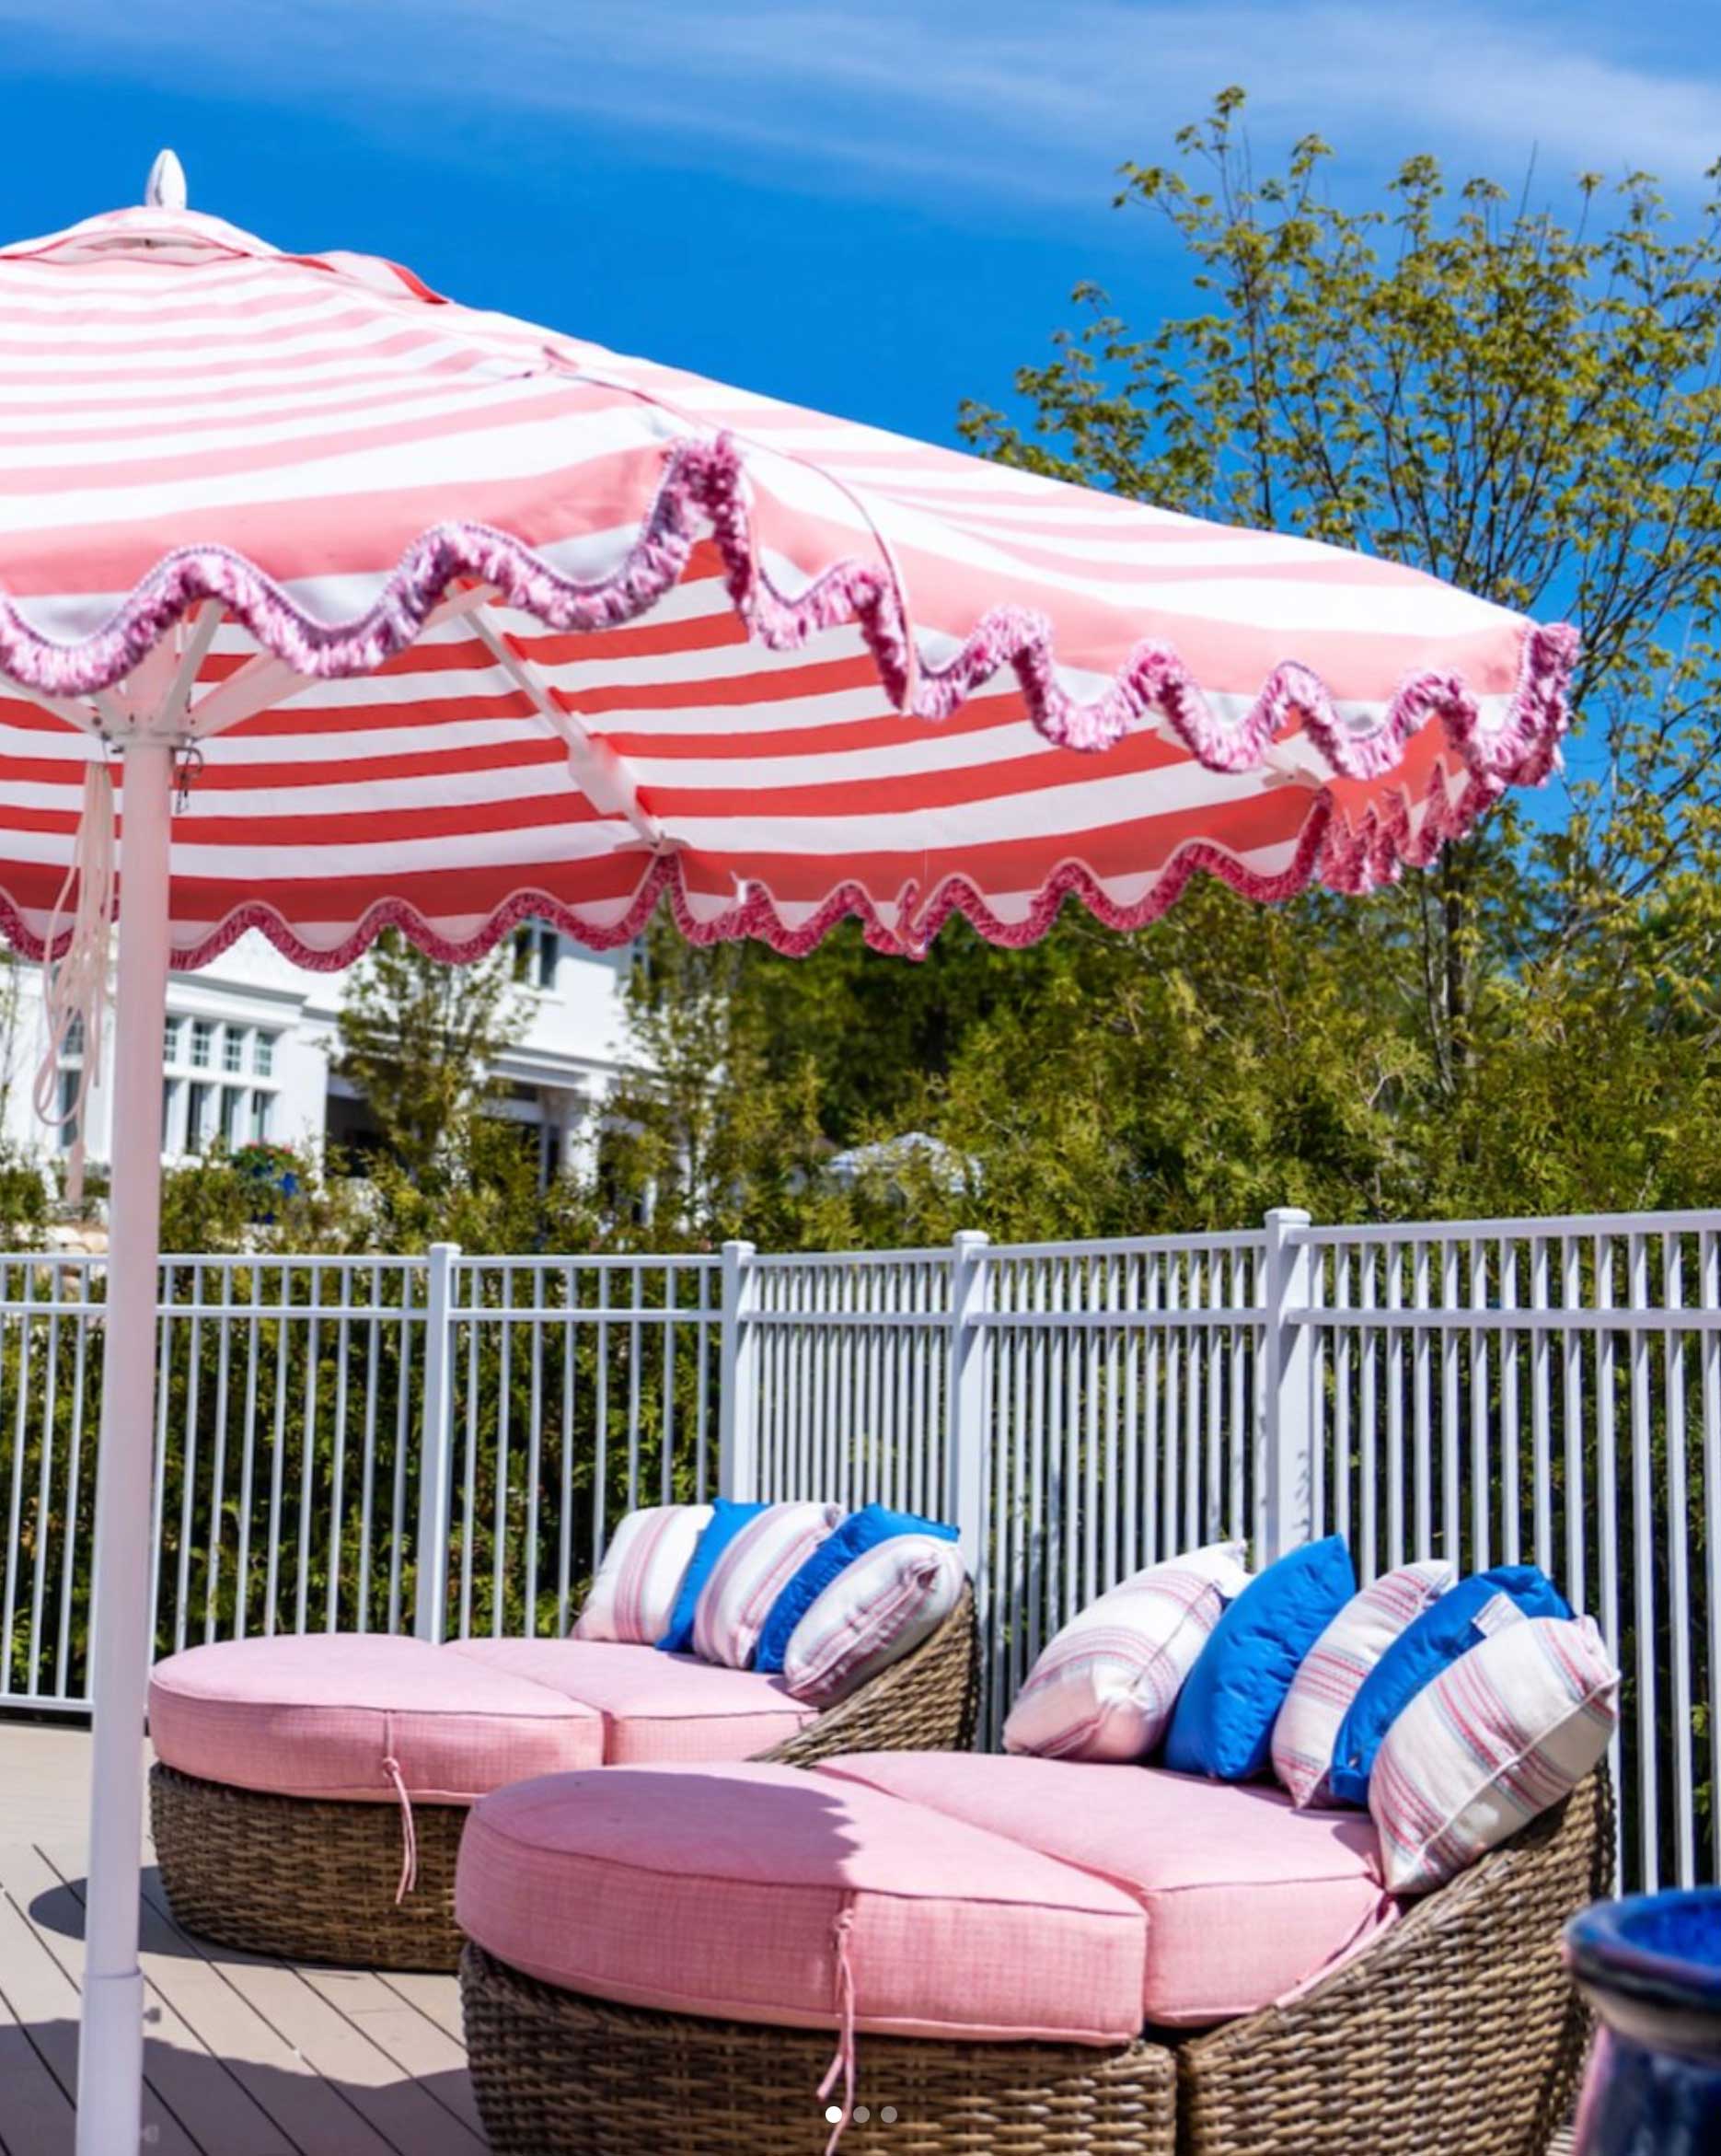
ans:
(36, 2114)
(244, 2056)
(183, 2072)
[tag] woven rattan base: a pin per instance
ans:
(557, 2074)
(309, 1881)
(1456, 2033)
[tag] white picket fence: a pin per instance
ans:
(443, 1445)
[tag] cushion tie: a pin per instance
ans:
(843, 2066)
(409, 1833)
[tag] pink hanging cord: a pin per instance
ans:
(409, 1833)
(842, 2067)
(75, 983)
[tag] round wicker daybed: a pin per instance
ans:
(365, 1878)
(1454, 2033)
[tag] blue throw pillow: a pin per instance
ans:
(1222, 1725)
(1445, 1629)
(859, 1532)
(727, 1520)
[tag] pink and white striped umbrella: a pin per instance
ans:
(445, 621)
(469, 620)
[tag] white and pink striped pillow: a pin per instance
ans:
(1499, 1736)
(1332, 1673)
(634, 1592)
(1104, 1687)
(881, 1606)
(749, 1576)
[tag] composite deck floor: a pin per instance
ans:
(245, 2056)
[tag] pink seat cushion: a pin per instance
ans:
(732, 1891)
(317, 1717)
(667, 1706)
(1246, 1897)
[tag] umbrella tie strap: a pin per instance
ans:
(842, 2067)
(409, 1832)
(893, 569)
(75, 985)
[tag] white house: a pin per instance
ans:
(250, 1040)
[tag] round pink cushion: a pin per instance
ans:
(718, 1891)
(655, 1707)
(1246, 1897)
(318, 1717)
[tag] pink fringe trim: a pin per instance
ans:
(704, 485)
(1346, 859)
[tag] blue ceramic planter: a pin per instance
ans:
(1651, 1967)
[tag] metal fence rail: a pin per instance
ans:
(1549, 1391)
(443, 1443)
(1118, 1425)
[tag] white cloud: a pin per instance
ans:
(1018, 98)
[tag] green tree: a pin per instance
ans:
(1525, 401)
(1528, 408)
(420, 1041)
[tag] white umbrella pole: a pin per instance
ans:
(110, 2055)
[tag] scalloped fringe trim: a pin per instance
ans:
(1351, 860)
(707, 481)
(704, 485)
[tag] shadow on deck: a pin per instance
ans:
(245, 2056)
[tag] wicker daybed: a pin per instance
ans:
(1454, 2033)
(320, 1879)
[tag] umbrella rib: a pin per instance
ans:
(265, 681)
(610, 784)
(76, 711)
(177, 708)
(262, 681)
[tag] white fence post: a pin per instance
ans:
(1288, 1464)
(430, 1603)
(966, 1433)
(738, 1418)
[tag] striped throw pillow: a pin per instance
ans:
(881, 1606)
(1332, 1673)
(1499, 1736)
(1104, 1687)
(750, 1575)
(637, 1583)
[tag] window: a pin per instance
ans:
(263, 1055)
(536, 951)
(69, 1080)
(232, 1101)
(232, 1048)
(203, 1037)
(261, 1104)
(171, 1042)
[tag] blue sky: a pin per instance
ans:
(873, 208)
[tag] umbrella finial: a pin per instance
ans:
(166, 190)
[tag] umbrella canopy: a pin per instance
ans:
(408, 568)
(443, 620)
